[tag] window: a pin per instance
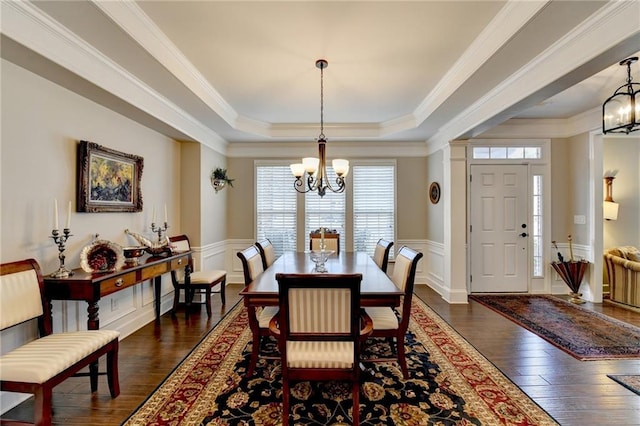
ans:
(536, 229)
(327, 211)
(507, 153)
(373, 205)
(276, 207)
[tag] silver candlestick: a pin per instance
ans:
(61, 240)
(159, 230)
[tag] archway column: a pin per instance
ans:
(455, 222)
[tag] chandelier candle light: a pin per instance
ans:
(316, 168)
(621, 112)
(61, 240)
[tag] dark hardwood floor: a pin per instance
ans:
(573, 392)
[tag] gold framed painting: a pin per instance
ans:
(108, 180)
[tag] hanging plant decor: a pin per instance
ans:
(219, 179)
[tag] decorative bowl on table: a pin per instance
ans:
(132, 253)
(319, 257)
(101, 256)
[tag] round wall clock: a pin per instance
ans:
(434, 192)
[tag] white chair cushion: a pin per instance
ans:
(265, 315)
(320, 354)
(205, 277)
(42, 359)
(22, 287)
(269, 254)
(378, 255)
(382, 318)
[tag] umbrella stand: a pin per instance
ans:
(572, 273)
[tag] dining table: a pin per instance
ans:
(376, 288)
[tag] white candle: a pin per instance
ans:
(165, 213)
(153, 216)
(55, 213)
(69, 217)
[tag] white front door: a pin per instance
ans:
(499, 229)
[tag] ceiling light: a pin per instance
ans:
(316, 168)
(621, 112)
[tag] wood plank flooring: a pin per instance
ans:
(573, 392)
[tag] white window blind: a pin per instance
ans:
(327, 211)
(373, 205)
(276, 207)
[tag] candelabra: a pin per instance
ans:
(61, 240)
(159, 230)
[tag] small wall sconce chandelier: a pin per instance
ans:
(621, 112)
(316, 168)
(610, 208)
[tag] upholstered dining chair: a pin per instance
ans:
(258, 318)
(320, 328)
(381, 253)
(267, 252)
(331, 241)
(204, 281)
(393, 323)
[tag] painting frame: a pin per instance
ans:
(108, 180)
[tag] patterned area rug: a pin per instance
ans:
(450, 383)
(584, 334)
(628, 381)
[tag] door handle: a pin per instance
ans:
(524, 234)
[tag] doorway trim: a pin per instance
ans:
(542, 167)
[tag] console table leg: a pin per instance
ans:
(93, 323)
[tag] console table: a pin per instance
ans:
(91, 287)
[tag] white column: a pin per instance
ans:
(455, 223)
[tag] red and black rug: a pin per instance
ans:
(450, 383)
(582, 333)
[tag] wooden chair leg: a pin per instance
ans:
(255, 346)
(42, 406)
(208, 301)
(402, 360)
(112, 371)
(356, 403)
(176, 301)
(285, 401)
(93, 376)
(223, 285)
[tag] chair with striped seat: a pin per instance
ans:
(39, 365)
(381, 254)
(267, 252)
(320, 328)
(203, 281)
(393, 323)
(258, 318)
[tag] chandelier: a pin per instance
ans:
(316, 168)
(621, 112)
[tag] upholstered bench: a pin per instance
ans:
(39, 365)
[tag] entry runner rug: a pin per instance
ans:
(450, 383)
(582, 333)
(630, 382)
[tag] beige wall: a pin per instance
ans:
(623, 154)
(435, 212)
(570, 189)
(41, 126)
(412, 198)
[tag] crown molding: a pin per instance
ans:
(37, 31)
(614, 23)
(351, 149)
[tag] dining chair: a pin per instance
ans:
(267, 252)
(203, 282)
(381, 253)
(331, 241)
(393, 323)
(252, 266)
(320, 327)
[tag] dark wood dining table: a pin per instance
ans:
(376, 288)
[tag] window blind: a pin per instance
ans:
(327, 211)
(373, 205)
(276, 207)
